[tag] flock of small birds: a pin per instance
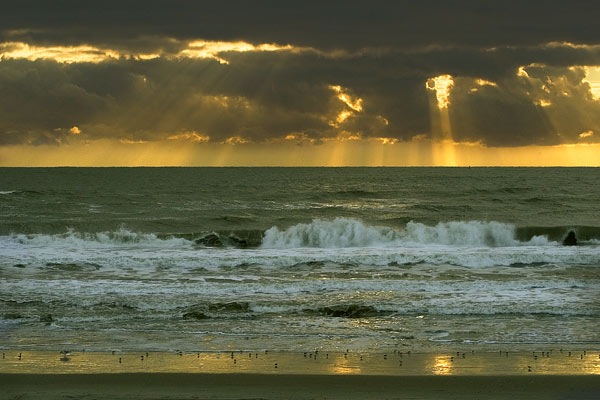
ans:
(313, 355)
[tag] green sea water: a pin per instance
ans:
(298, 258)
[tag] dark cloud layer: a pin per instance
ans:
(323, 24)
(382, 53)
(260, 96)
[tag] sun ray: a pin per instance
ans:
(443, 142)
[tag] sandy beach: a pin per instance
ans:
(268, 386)
(284, 375)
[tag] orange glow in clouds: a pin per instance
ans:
(190, 150)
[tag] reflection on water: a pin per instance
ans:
(442, 366)
(319, 363)
(343, 365)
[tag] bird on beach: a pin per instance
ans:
(64, 355)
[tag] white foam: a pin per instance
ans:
(7, 192)
(338, 233)
(349, 232)
(187, 257)
(73, 239)
(344, 241)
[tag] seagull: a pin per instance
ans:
(64, 355)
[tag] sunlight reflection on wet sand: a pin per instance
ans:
(314, 363)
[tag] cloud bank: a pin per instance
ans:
(266, 72)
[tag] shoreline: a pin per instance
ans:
(53, 375)
(392, 363)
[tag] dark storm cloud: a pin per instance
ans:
(262, 96)
(383, 54)
(322, 24)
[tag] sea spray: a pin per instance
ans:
(349, 232)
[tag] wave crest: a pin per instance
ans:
(349, 232)
(120, 237)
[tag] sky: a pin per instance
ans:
(333, 83)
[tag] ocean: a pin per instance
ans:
(297, 259)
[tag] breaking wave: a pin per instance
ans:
(348, 232)
(411, 241)
(120, 237)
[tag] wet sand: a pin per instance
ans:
(268, 386)
(281, 375)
